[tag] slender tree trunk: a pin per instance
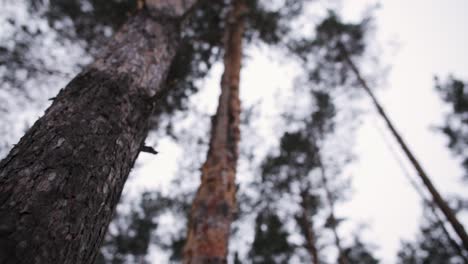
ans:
(308, 228)
(60, 184)
(455, 246)
(425, 200)
(214, 205)
(438, 200)
(341, 257)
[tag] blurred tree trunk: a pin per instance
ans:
(332, 219)
(60, 184)
(308, 228)
(437, 198)
(214, 205)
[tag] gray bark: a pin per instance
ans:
(60, 184)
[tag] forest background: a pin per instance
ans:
(411, 42)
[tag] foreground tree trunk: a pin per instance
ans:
(214, 205)
(60, 184)
(437, 198)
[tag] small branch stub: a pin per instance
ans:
(148, 149)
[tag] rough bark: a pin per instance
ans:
(60, 184)
(214, 205)
(308, 229)
(437, 198)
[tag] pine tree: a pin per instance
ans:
(60, 184)
(339, 43)
(309, 206)
(436, 196)
(299, 164)
(214, 205)
(431, 246)
(203, 38)
(359, 253)
(270, 243)
(455, 92)
(91, 27)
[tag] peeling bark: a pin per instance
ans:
(214, 206)
(60, 184)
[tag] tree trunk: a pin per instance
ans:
(437, 198)
(308, 229)
(60, 184)
(214, 206)
(426, 202)
(341, 257)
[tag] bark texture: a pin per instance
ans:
(214, 206)
(437, 198)
(60, 184)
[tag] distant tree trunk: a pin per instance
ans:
(437, 198)
(427, 202)
(214, 205)
(308, 228)
(341, 257)
(60, 184)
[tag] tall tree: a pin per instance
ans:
(82, 29)
(358, 253)
(270, 243)
(319, 130)
(302, 162)
(309, 205)
(299, 172)
(332, 221)
(455, 92)
(202, 38)
(296, 176)
(60, 184)
(436, 196)
(340, 43)
(214, 205)
(431, 245)
(288, 176)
